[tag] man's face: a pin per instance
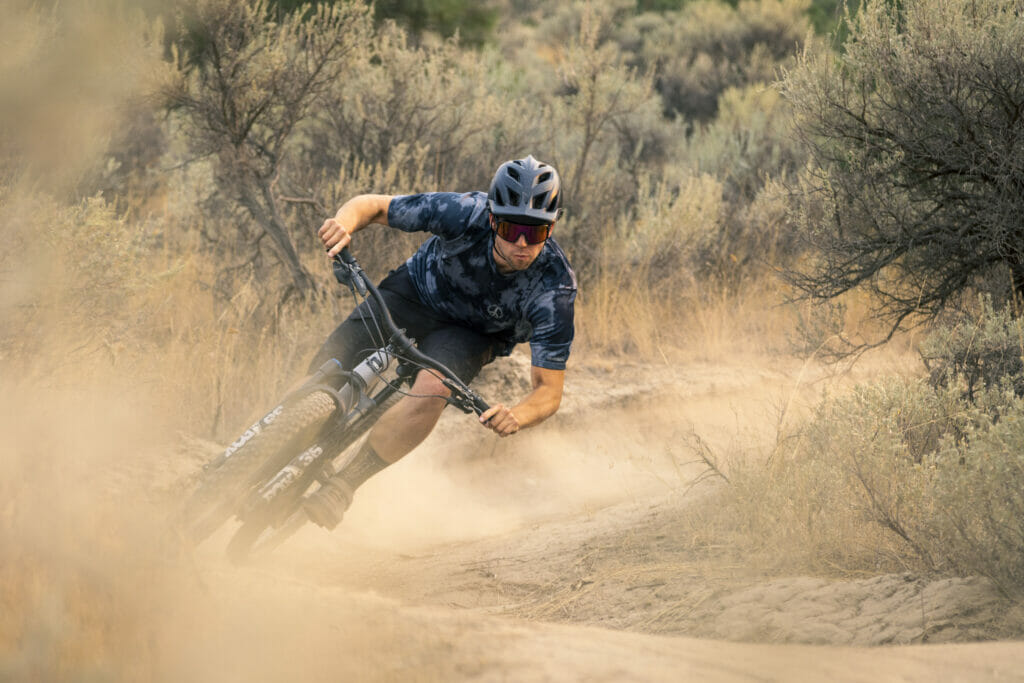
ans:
(511, 256)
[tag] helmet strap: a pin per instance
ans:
(499, 252)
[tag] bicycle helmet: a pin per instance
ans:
(526, 190)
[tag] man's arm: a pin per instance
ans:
(353, 216)
(539, 404)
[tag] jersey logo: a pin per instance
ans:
(496, 311)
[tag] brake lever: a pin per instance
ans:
(468, 401)
(348, 274)
(462, 403)
(342, 272)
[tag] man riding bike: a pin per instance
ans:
(489, 278)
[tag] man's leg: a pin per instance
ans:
(411, 420)
(407, 423)
(400, 429)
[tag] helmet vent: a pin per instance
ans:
(513, 198)
(513, 173)
(546, 175)
(538, 200)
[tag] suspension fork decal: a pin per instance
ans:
(291, 472)
(252, 432)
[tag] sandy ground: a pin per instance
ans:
(561, 554)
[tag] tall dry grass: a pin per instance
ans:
(621, 315)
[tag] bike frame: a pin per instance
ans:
(357, 392)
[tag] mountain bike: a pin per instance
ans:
(265, 475)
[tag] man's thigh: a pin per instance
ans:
(460, 349)
(361, 333)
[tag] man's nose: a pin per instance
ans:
(521, 242)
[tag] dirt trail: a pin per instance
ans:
(561, 554)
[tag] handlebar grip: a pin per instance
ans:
(479, 405)
(345, 255)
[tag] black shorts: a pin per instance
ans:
(461, 349)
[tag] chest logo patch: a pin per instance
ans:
(496, 311)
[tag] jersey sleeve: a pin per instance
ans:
(446, 214)
(553, 328)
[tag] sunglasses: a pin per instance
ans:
(511, 232)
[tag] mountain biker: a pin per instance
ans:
(489, 278)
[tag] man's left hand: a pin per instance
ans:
(500, 419)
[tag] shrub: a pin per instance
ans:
(429, 112)
(748, 150)
(246, 86)
(708, 47)
(609, 133)
(898, 475)
(672, 230)
(977, 483)
(747, 143)
(918, 150)
(472, 21)
(982, 349)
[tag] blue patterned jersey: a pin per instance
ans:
(455, 275)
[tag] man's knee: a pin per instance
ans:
(434, 394)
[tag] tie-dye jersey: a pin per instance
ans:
(455, 275)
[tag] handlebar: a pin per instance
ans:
(348, 272)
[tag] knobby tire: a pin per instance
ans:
(223, 488)
(266, 528)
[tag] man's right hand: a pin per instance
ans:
(500, 419)
(354, 215)
(334, 236)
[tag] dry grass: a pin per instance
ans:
(622, 313)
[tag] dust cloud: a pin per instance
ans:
(97, 586)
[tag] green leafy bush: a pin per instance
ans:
(473, 21)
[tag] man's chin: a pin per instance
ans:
(522, 264)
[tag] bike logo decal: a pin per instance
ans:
(290, 472)
(272, 415)
(496, 311)
(253, 431)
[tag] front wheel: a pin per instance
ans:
(267, 526)
(222, 489)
